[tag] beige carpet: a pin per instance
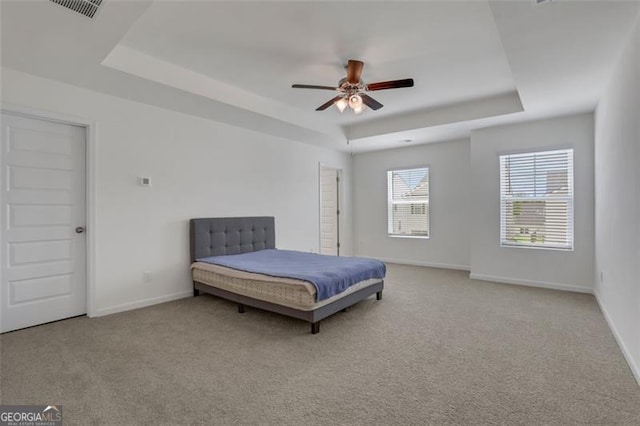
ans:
(438, 349)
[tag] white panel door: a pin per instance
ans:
(43, 202)
(329, 211)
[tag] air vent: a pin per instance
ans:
(87, 8)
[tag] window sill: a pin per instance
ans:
(524, 246)
(418, 237)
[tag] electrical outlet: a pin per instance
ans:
(147, 276)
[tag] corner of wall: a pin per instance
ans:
(635, 368)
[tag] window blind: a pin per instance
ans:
(408, 202)
(536, 199)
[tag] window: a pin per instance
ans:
(536, 199)
(408, 202)
(418, 209)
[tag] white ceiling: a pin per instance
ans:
(265, 47)
(475, 63)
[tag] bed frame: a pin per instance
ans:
(235, 235)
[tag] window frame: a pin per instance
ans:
(570, 199)
(392, 206)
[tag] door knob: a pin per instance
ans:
(79, 229)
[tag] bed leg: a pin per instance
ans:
(196, 292)
(379, 295)
(240, 308)
(315, 327)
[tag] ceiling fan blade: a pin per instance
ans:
(393, 84)
(311, 86)
(370, 102)
(354, 71)
(328, 104)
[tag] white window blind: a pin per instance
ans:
(536, 199)
(408, 202)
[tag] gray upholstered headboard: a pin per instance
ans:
(219, 236)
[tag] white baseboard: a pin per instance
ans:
(531, 283)
(635, 369)
(142, 303)
(420, 263)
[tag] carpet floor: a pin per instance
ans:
(439, 348)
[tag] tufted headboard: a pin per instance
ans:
(219, 236)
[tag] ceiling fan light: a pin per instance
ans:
(341, 104)
(358, 110)
(355, 101)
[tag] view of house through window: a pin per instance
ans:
(536, 199)
(408, 202)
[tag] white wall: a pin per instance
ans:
(448, 244)
(570, 270)
(199, 168)
(617, 212)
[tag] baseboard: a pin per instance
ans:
(531, 283)
(142, 303)
(635, 369)
(420, 263)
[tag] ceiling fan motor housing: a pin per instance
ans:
(350, 88)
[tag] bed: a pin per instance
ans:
(224, 238)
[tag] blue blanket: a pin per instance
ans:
(330, 275)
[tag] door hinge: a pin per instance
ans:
(338, 245)
(338, 212)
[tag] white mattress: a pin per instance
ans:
(289, 292)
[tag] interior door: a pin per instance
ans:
(43, 218)
(329, 210)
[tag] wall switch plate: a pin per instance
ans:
(144, 181)
(147, 276)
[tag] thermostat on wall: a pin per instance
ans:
(144, 181)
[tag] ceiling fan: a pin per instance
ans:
(351, 90)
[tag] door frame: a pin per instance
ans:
(90, 127)
(340, 203)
